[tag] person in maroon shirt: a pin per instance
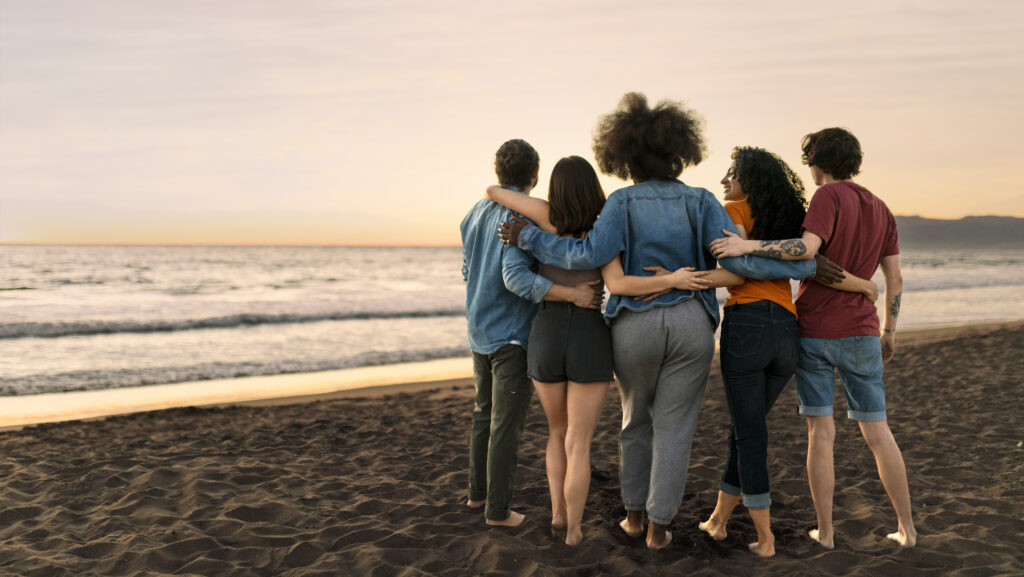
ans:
(840, 330)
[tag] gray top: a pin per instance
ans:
(570, 277)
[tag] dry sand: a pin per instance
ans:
(372, 484)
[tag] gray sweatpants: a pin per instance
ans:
(662, 358)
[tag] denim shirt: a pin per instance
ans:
(659, 222)
(502, 287)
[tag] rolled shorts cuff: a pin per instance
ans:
(629, 507)
(816, 411)
(867, 417)
(759, 501)
(729, 489)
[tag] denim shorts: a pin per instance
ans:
(858, 360)
(569, 343)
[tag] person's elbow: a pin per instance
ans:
(615, 285)
(810, 250)
(894, 281)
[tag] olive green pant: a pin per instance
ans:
(503, 394)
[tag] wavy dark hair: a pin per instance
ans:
(575, 197)
(639, 142)
(516, 162)
(835, 151)
(775, 193)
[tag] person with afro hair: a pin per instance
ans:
(662, 346)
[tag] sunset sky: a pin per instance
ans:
(376, 121)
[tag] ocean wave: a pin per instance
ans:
(18, 288)
(916, 282)
(18, 330)
(96, 380)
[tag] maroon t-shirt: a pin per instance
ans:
(857, 230)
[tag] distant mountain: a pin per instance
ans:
(967, 232)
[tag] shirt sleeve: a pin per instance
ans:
(518, 274)
(603, 243)
(821, 214)
(736, 213)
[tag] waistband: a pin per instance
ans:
(771, 307)
(560, 306)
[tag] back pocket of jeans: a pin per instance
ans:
(743, 340)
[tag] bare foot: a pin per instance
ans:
(903, 538)
(713, 528)
(513, 520)
(634, 531)
(766, 550)
(573, 536)
(654, 543)
(475, 504)
(826, 543)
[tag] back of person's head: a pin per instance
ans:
(834, 151)
(516, 163)
(639, 142)
(575, 196)
(774, 192)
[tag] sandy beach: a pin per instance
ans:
(371, 482)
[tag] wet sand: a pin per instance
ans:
(370, 482)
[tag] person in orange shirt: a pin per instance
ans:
(760, 339)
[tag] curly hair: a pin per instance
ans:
(575, 197)
(835, 151)
(637, 142)
(516, 162)
(775, 193)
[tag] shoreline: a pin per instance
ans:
(27, 410)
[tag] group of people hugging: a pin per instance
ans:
(535, 286)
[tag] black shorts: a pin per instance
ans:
(568, 343)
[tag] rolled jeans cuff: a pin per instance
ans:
(759, 501)
(729, 489)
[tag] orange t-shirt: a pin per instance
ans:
(778, 290)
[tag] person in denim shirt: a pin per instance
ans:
(663, 346)
(502, 293)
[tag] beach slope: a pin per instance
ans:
(373, 485)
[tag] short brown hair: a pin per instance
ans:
(575, 197)
(836, 151)
(639, 142)
(516, 162)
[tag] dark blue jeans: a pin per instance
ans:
(760, 347)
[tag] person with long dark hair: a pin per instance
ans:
(570, 354)
(502, 293)
(840, 333)
(662, 347)
(760, 340)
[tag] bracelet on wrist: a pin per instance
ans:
(893, 331)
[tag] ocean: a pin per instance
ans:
(95, 317)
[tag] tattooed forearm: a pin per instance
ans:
(793, 247)
(776, 248)
(767, 252)
(894, 305)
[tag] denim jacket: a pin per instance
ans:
(659, 222)
(502, 286)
